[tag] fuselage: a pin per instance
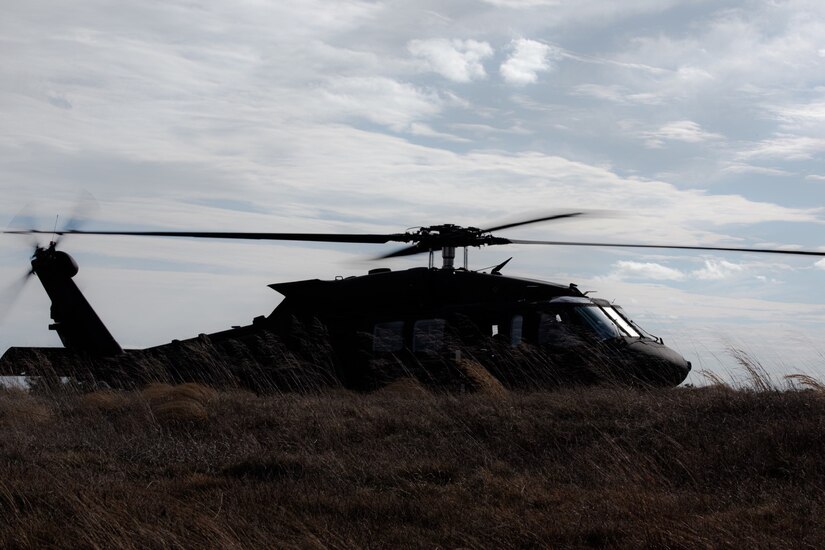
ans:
(425, 313)
(360, 330)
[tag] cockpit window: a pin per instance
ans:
(388, 337)
(621, 322)
(565, 323)
(635, 325)
(595, 319)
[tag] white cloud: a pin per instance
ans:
(717, 270)
(529, 58)
(804, 113)
(785, 147)
(383, 101)
(518, 4)
(743, 168)
(645, 270)
(685, 131)
(815, 177)
(424, 130)
(456, 60)
(614, 93)
(820, 264)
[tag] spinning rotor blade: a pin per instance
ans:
(406, 251)
(536, 220)
(84, 207)
(424, 239)
(432, 237)
(309, 237)
(20, 223)
(671, 247)
(25, 220)
(10, 294)
(476, 237)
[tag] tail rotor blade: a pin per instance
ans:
(84, 208)
(22, 223)
(10, 294)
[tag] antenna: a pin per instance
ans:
(54, 233)
(497, 269)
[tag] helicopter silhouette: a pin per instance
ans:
(365, 331)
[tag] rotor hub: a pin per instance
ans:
(439, 236)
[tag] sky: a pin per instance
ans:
(668, 121)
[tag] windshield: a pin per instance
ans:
(640, 330)
(621, 322)
(568, 321)
(596, 320)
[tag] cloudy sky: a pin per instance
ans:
(682, 122)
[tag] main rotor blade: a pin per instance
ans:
(434, 243)
(673, 247)
(312, 237)
(536, 220)
(406, 251)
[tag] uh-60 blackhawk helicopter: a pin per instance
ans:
(437, 324)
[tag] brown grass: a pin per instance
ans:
(19, 407)
(806, 381)
(481, 379)
(178, 403)
(406, 387)
(188, 467)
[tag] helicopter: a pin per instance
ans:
(437, 324)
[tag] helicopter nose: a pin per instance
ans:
(656, 363)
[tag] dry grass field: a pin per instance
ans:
(190, 467)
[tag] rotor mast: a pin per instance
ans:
(448, 257)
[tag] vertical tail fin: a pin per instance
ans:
(76, 323)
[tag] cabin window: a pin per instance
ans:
(428, 335)
(516, 330)
(388, 337)
(551, 329)
(625, 327)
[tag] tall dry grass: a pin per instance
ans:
(187, 466)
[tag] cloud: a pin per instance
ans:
(713, 270)
(529, 58)
(685, 131)
(785, 147)
(520, 4)
(801, 113)
(820, 264)
(614, 92)
(424, 130)
(717, 270)
(456, 60)
(381, 100)
(743, 168)
(645, 270)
